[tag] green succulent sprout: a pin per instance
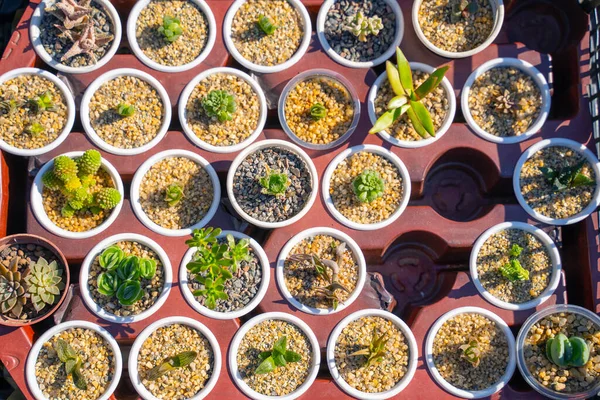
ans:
(376, 350)
(35, 129)
(567, 177)
(108, 283)
(471, 352)
(111, 258)
(41, 103)
(368, 186)
(89, 163)
(129, 269)
(361, 26)
(129, 293)
(174, 194)
(219, 104)
(13, 289)
(69, 357)
(318, 111)
(147, 268)
(213, 290)
(567, 352)
(65, 168)
(204, 237)
(8, 107)
(180, 360)
(209, 259)
(408, 99)
(462, 9)
(513, 270)
(237, 252)
(266, 25)
(274, 183)
(279, 356)
(44, 282)
(108, 198)
(125, 110)
(171, 28)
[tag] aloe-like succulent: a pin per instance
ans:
(376, 350)
(13, 289)
(174, 194)
(461, 9)
(368, 186)
(85, 41)
(408, 99)
(266, 25)
(180, 360)
(471, 352)
(45, 282)
(73, 363)
(279, 356)
(567, 352)
(274, 183)
(362, 26)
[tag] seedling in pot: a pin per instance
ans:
(376, 350)
(174, 194)
(180, 360)
(9, 106)
(237, 252)
(125, 110)
(111, 257)
(203, 237)
(504, 103)
(219, 104)
(368, 186)
(513, 270)
(471, 352)
(567, 352)
(408, 99)
(41, 103)
(265, 24)
(171, 28)
(318, 111)
(566, 177)
(279, 356)
(274, 183)
(69, 357)
(361, 26)
(462, 9)
(34, 130)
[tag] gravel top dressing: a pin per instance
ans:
(331, 94)
(187, 47)
(563, 379)
(95, 27)
(126, 132)
(197, 192)
(82, 220)
(494, 254)
(265, 207)
(505, 101)
(98, 366)
(541, 195)
(491, 342)
(258, 47)
(436, 103)
(283, 380)
(17, 118)
(178, 383)
(375, 377)
(348, 204)
(302, 280)
(345, 43)
(241, 289)
(152, 288)
(244, 120)
(466, 32)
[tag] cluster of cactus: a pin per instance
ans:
(361, 26)
(77, 26)
(75, 179)
(40, 283)
(471, 353)
(567, 352)
(376, 350)
(123, 275)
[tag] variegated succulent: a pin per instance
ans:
(45, 281)
(13, 289)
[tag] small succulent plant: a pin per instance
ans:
(471, 352)
(73, 363)
(368, 186)
(462, 9)
(279, 356)
(318, 111)
(237, 252)
(174, 194)
(376, 350)
(147, 268)
(9, 106)
(513, 270)
(34, 129)
(219, 104)
(125, 110)
(266, 25)
(44, 282)
(504, 102)
(204, 237)
(408, 99)
(567, 352)
(129, 293)
(362, 26)
(171, 28)
(111, 257)
(108, 283)
(41, 103)
(567, 177)
(13, 290)
(274, 183)
(180, 360)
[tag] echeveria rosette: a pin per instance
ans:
(408, 99)
(274, 183)
(368, 186)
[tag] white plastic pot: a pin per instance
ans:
(69, 101)
(237, 339)
(260, 293)
(145, 334)
(394, 159)
(305, 76)
(145, 167)
(412, 144)
(37, 205)
(351, 245)
(35, 351)
(527, 69)
(187, 91)
(413, 355)
(36, 40)
(108, 76)
(97, 250)
(135, 47)
(550, 247)
(265, 69)
(471, 394)
(558, 142)
(322, 17)
(259, 146)
(497, 11)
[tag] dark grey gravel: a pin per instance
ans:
(345, 43)
(248, 191)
